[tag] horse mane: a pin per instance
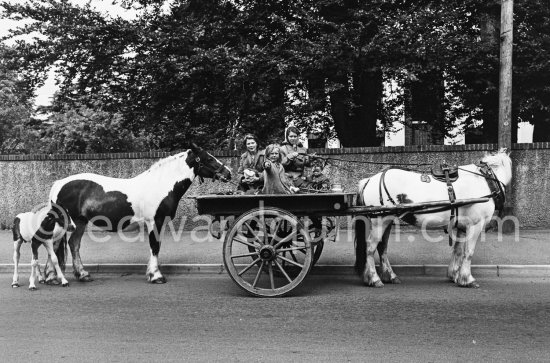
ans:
(166, 160)
(501, 158)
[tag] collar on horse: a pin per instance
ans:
(496, 187)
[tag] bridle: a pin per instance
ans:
(200, 165)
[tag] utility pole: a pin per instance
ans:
(505, 84)
(505, 97)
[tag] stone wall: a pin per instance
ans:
(26, 179)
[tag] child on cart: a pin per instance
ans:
(275, 179)
(317, 181)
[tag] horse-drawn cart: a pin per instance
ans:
(274, 240)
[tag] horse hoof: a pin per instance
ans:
(396, 280)
(41, 281)
(52, 282)
(385, 276)
(374, 284)
(66, 284)
(160, 280)
(471, 285)
(86, 278)
(32, 288)
(15, 284)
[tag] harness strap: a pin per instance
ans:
(360, 193)
(452, 199)
(383, 184)
(498, 193)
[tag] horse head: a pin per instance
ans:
(501, 163)
(207, 166)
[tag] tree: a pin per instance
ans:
(15, 108)
(210, 71)
(88, 130)
(531, 61)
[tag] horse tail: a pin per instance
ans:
(16, 229)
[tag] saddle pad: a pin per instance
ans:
(438, 172)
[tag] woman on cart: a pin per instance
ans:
(251, 166)
(295, 156)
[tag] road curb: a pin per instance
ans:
(405, 270)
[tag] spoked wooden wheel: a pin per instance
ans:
(318, 235)
(267, 252)
(322, 230)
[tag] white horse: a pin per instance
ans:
(401, 186)
(151, 197)
(32, 227)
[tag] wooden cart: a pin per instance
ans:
(274, 240)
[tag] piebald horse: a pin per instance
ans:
(151, 198)
(407, 187)
(31, 227)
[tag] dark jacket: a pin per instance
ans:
(249, 161)
(298, 164)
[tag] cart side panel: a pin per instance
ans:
(294, 203)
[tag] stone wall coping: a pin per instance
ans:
(231, 153)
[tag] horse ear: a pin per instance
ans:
(195, 148)
(504, 150)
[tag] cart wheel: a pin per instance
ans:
(280, 249)
(317, 244)
(321, 230)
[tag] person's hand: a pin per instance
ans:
(292, 155)
(267, 165)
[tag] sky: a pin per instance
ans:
(45, 93)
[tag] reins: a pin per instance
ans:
(366, 162)
(483, 175)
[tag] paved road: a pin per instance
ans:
(410, 247)
(207, 318)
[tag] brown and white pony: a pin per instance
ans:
(151, 198)
(31, 227)
(407, 187)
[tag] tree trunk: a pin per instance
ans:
(541, 127)
(368, 89)
(490, 118)
(355, 111)
(426, 105)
